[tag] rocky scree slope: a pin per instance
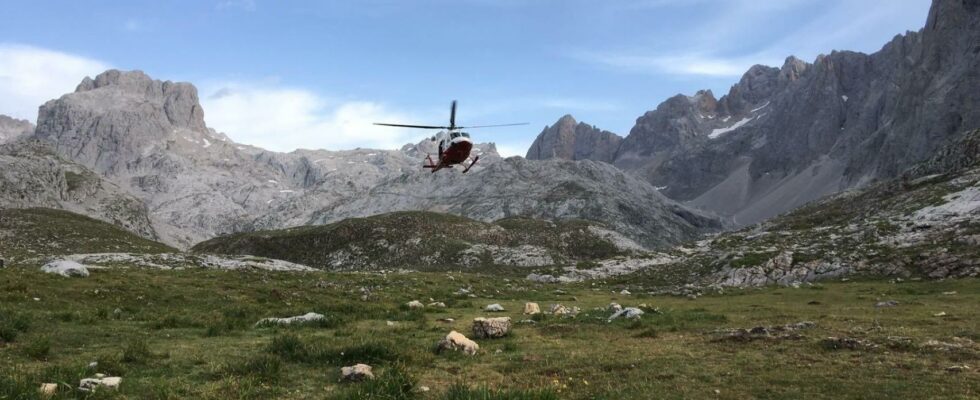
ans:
(32, 175)
(149, 138)
(782, 137)
(427, 239)
(925, 224)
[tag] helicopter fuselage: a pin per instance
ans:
(455, 149)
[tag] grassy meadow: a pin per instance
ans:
(191, 334)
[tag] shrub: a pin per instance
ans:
(38, 349)
(136, 352)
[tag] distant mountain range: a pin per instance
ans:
(135, 151)
(786, 136)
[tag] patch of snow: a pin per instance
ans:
(761, 107)
(273, 181)
(660, 188)
(721, 131)
(286, 191)
(726, 119)
(844, 97)
(206, 143)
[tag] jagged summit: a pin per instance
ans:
(572, 140)
(782, 137)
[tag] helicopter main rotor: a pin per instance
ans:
(452, 123)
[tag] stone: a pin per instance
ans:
(414, 304)
(561, 310)
(888, 303)
(958, 368)
(494, 308)
(455, 341)
(531, 308)
(628, 313)
(437, 304)
(488, 328)
(48, 390)
(614, 307)
(65, 268)
(356, 373)
(93, 384)
(299, 319)
(625, 292)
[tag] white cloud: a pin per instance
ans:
(513, 149)
(246, 5)
(705, 49)
(30, 76)
(284, 119)
(681, 64)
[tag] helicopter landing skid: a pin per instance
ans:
(467, 169)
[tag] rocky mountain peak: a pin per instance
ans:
(792, 69)
(12, 128)
(572, 140)
(178, 100)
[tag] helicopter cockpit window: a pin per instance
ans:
(465, 134)
(454, 135)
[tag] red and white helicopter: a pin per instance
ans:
(454, 144)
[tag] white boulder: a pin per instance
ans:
(487, 328)
(65, 268)
(414, 304)
(494, 308)
(299, 319)
(356, 373)
(91, 384)
(628, 313)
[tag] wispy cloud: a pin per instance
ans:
(714, 46)
(284, 119)
(30, 76)
(245, 5)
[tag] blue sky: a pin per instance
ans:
(289, 74)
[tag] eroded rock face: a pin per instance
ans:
(782, 137)
(571, 140)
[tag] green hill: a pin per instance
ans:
(35, 233)
(426, 239)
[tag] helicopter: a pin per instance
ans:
(454, 144)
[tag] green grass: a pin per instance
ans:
(413, 239)
(191, 334)
(36, 233)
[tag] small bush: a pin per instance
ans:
(136, 352)
(460, 391)
(263, 367)
(11, 325)
(38, 349)
(649, 333)
(393, 384)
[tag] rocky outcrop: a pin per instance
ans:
(489, 328)
(786, 136)
(149, 138)
(12, 129)
(32, 175)
(571, 140)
